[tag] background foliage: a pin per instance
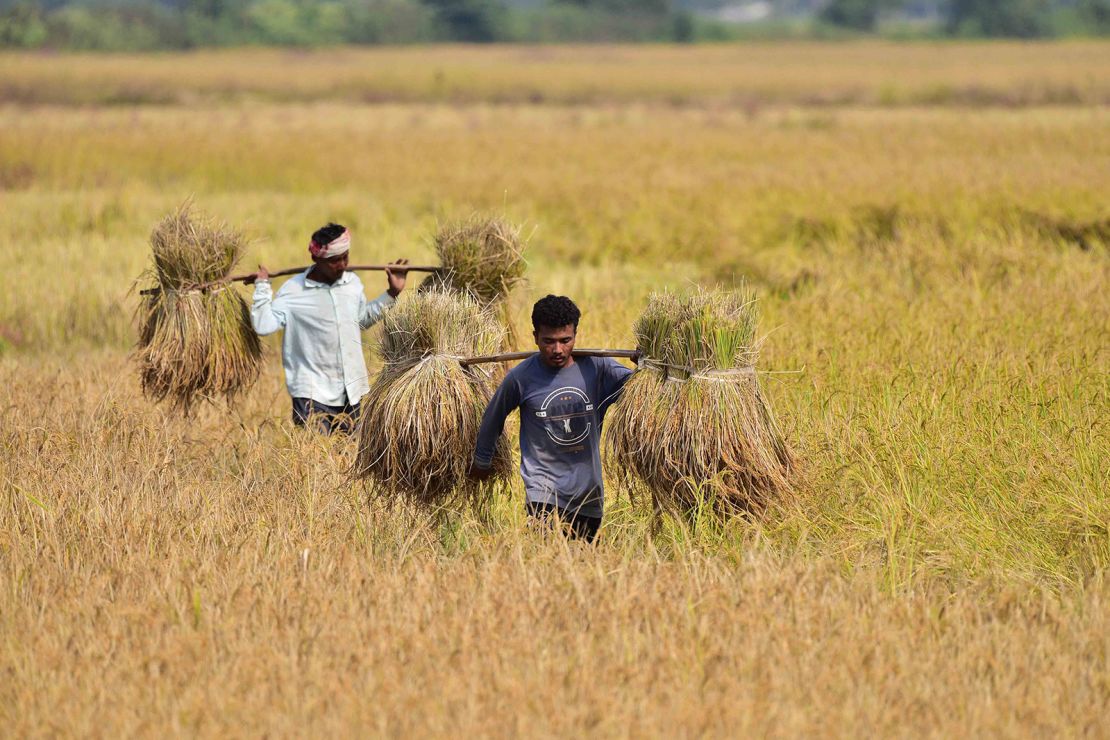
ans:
(179, 24)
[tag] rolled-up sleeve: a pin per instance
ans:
(371, 312)
(267, 315)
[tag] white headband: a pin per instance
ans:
(337, 246)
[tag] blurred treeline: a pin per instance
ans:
(135, 25)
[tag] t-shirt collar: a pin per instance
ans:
(553, 370)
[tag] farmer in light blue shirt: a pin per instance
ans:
(323, 311)
(562, 401)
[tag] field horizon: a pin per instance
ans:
(933, 277)
(747, 75)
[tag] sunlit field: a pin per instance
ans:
(928, 232)
(746, 75)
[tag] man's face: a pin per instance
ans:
(555, 344)
(331, 268)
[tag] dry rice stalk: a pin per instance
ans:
(195, 344)
(692, 424)
(419, 422)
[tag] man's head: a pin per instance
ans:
(330, 247)
(554, 327)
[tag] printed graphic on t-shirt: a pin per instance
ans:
(567, 414)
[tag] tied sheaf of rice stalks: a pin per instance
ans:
(483, 257)
(692, 424)
(419, 422)
(195, 343)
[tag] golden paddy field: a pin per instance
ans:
(926, 227)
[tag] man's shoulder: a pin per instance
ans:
(602, 369)
(607, 363)
(294, 284)
(594, 364)
(524, 372)
(588, 361)
(351, 285)
(521, 369)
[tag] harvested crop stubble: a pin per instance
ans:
(195, 343)
(692, 424)
(419, 422)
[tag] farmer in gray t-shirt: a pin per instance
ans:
(562, 401)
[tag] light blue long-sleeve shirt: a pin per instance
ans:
(322, 346)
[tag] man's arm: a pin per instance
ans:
(371, 312)
(266, 318)
(611, 377)
(504, 402)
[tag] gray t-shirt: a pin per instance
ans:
(561, 411)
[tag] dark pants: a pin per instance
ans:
(575, 526)
(323, 418)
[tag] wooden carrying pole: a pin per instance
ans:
(297, 270)
(628, 354)
(349, 268)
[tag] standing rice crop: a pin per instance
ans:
(195, 338)
(419, 422)
(692, 424)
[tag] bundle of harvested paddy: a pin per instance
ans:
(692, 425)
(419, 422)
(195, 338)
(482, 256)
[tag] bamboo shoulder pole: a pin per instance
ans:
(350, 268)
(628, 354)
(297, 270)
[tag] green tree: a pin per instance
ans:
(1095, 15)
(277, 22)
(22, 26)
(861, 15)
(615, 20)
(121, 28)
(623, 7)
(389, 21)
(468, 20)
(215, 22)
(328, 22)
(682, 27)
(1000, 18)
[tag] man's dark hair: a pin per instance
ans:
(554, 311)
(328, 234)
